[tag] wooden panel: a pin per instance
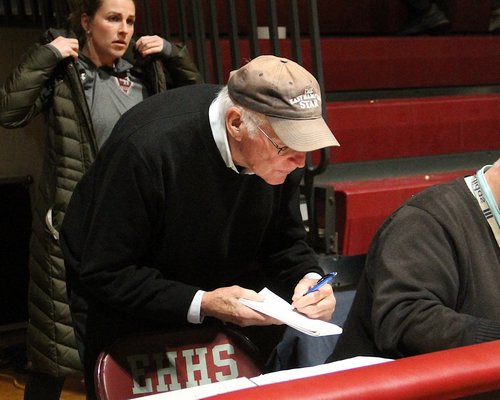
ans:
(384, 129)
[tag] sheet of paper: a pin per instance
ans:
(281, 376)
(276, 307)
(203, 391)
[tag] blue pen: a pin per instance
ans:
(328, 278)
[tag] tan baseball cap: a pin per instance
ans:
(288, 95)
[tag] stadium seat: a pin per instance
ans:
(144, 364)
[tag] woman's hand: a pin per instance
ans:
(147, 45)
(68, 47)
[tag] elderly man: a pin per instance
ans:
(192, 204)
(431, 280)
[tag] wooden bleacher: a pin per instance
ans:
(391, 149)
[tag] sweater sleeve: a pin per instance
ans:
(420, 283)
(25, 91)
(108, 239)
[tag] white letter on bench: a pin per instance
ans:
(171, 370)
(201, 352)
(218, 361)
(138, 373)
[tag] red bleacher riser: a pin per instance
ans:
(391, 62)
(409, 62)
(395, 128)
(399, 128)
(357, 222)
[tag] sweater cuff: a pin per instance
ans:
(487, 330)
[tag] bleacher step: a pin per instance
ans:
(366, 193)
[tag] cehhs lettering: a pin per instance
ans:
(173, 370)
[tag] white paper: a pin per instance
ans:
(276, 307)
(281, 376)
(203, 391)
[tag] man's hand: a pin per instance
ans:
(68, 47)
(319, 304)
(223, 303)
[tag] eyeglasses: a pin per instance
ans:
(281, 149)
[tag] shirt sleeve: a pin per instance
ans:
(194, 313)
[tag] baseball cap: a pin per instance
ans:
(288, 95)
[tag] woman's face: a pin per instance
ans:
(109, 31)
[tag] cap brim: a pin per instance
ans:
(303, 134)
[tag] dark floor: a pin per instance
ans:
(13, 372)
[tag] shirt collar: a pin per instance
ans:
(119, 69)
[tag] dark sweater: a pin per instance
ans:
(159, 216)
(431, 280)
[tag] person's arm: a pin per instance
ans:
(181, 67)
(417, 288)
(25, 91)
(109, 243)
(109, 239)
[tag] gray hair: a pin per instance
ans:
(250, 118)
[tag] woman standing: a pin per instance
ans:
(82, 80)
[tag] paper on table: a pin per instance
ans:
(204, 391)
(276, 307)
(334, 366)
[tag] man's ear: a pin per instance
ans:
(234, 124)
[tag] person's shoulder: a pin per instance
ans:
(441, 193)
(201, 89)
(441, 202)
(50, 34)
(178, 99)
(434, 201)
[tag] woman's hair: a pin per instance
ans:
(251, 119)
(80, 7)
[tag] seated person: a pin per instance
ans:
(192, 204)
(431, 279)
